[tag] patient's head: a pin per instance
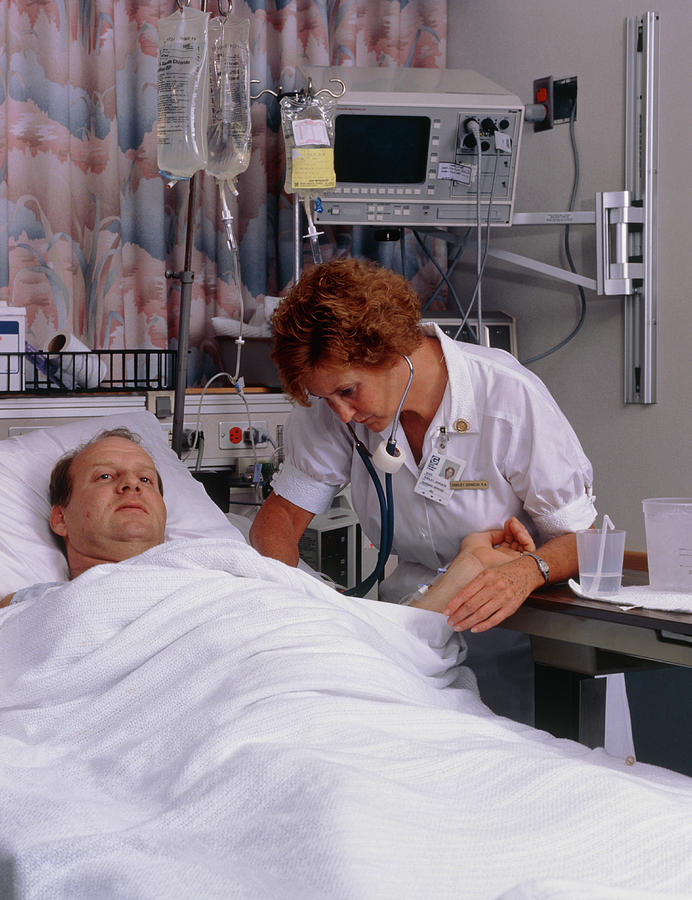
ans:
(106, 501)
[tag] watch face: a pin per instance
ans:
(543, 566)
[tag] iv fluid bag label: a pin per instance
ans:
(232, 101)
(312, 169)
(310, 133)
(177, 62)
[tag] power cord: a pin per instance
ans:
(481, 267)
(568, 251)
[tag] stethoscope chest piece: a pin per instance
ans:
(386, 461)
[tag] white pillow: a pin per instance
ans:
(29, 551)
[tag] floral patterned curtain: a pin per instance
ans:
(88, 227)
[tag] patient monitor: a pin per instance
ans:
(406, 147)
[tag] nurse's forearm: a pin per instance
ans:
(561, 555)
(277, 528)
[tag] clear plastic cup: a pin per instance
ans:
(600, 552)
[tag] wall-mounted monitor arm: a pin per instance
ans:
(617, 221)
(626, 221)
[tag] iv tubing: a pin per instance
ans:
(227, 220)
(313, 234)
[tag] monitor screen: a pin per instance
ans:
(381, 149)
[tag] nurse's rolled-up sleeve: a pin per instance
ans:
(317, 461)
(548, 468)
(574, 516)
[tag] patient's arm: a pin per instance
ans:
(6, 600)
(479, 550)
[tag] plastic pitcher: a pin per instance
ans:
(668, 522)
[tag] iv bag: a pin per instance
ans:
(183, 87)
(308, 129)
(229, 132)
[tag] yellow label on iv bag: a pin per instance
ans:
(312, 168)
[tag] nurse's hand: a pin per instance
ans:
(479, 550)
(492, 596)
(497, 593)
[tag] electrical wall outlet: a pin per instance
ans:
(233, 435)
(543, 95)
(559, 97)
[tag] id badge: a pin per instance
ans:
(436, 477)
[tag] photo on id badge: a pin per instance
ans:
(450, 470)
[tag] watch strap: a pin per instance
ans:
(543, 566)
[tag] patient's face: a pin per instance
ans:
(115, 510)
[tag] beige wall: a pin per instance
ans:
(637, 451)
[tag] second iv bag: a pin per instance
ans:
(181, 133)
(307, 123)
(229, 133)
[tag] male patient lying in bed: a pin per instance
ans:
(106, 502)
(107, 506)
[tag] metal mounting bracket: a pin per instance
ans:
(615, 271)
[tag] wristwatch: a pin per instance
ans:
(543, 566)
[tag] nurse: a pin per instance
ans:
(340, 341)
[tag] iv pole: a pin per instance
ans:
(186, 277)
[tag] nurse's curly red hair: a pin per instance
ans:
(353, 312)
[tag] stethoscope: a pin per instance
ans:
(389, 459)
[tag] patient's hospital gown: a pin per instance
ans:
(515, 454)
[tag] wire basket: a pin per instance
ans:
(98, 371)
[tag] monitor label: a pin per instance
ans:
(461, 172)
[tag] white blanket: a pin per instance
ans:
(170, 730)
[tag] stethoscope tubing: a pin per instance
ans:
(387, 524)
(385, 497)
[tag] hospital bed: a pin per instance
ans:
(202, 722)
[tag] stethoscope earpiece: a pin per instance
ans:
(386, 461)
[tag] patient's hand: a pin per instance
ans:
(479, 550)
(493, 548)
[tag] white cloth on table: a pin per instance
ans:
(639, 595)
